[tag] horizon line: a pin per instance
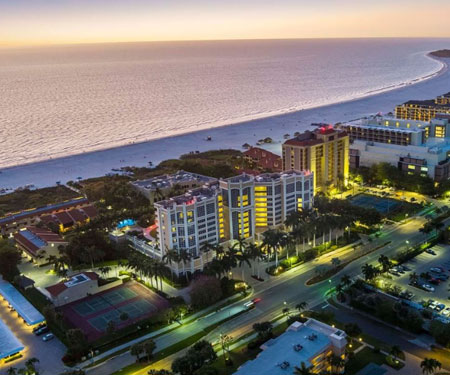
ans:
(56, 44)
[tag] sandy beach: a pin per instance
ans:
(99, 163)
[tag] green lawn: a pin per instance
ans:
(362, 359)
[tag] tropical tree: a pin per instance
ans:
(104, 270)
(395, 352)
(184, 257)
(336, 363)
(430, 365)
(302, 370)
(170, 257)
(11, 371)
(368, 271)
(346, 281)
(273, 239)
(413, 278)
(254, 252)
(136, 350)
(30, 365)
(148, 347)
(384, 262)
(301, 306)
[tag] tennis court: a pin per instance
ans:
(133, 310)
(92, 314)
(382, 205)
(101, 302)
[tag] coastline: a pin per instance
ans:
(100, 162)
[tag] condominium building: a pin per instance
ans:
(237, 207)
(415, 147)
(323, 151)
(312, 343)
(160, 187)
(190, 220)
(423, 110)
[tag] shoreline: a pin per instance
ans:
(100, 162)
(243, 119)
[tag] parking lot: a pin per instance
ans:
(422, 264)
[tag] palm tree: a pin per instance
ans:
(302, 370)
(301, 306)
(395, 352)
(30, 365)
(171, 256)
(104, 270)
(273, 238)
(430, 365)
(11, 371)
(346, 281)
(368, 271)
(184, 258)
(384, 262)
(337, 364)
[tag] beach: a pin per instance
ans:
(98, 163)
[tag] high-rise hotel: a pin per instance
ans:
(423, 110)
(237, 207)
(324, 152)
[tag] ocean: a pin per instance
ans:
(65, 100)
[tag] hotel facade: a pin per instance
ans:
(238, 207)
(415, 147)
(423, 110)
(324, 152)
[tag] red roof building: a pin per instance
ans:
(264, 159)
(38, 241)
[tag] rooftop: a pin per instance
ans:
(42, 210)
(240, 178)
(9, 344)
(169, 180)
(268, 177)
(24, 308)
(300, 343)
(315, 137)
(77, 279)
(33, 238)
(192, 196)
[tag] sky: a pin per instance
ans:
(30, 22)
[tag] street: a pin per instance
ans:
(275, 291)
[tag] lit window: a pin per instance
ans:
(411, 166)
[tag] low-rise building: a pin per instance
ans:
(415, 147)
(38, 243)
(77, 287)
(312, 343)
(160, 187)
(264, 160)
(13, 222)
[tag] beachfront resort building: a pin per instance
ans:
(242, 206)
(423, 110)
(264, 160)
(324, 152)
(312, 343)
(415, 147)
(161, 187)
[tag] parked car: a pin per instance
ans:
(435, 270)
(446, 312)
(48, 337)
(432, 304)
(42, 330)
(392, 272)
(428, 287)
(42, 325)
(442, 277)
(440, 307)
(429, 251)
(434, 281)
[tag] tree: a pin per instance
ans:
(136, 350)
(11, 371)
(395, 352)
(430, 365)
(301, 306)
(346, 281)
(205, 291)
(30, 365)
(10, 259)
(384, 262)
(148, 347)
(111, 328)
(302, 370)
(76, 342)
(272, 241)
(264, 330)
(369, 271)
(104, 270)
(337, 364)
(170, 257)
(352, 329)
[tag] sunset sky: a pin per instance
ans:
(84, 21)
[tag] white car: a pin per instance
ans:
(428, 287)
(446, 312)
(48, 337)
(433, 305)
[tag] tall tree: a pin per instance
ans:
(10, 259)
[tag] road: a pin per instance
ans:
(277, 292)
